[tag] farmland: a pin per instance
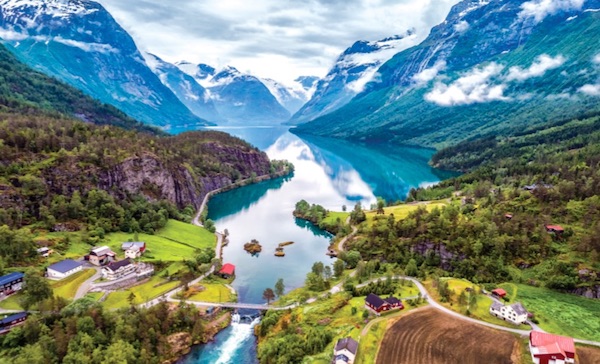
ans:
(588, 355)
(429, 337)
(402, 211)
(559, 313)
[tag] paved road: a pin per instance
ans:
(87, 285)
(345, 239)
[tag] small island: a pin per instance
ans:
(253, 247)
(279, 250)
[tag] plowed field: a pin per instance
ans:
(431, 337)
(588, 355)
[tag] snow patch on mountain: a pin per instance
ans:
(54, 8)
(540, 9)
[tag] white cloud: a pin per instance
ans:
(540, 9)
(476, 86)
(461, 26)
(278, 39)
(429, 74)
(541, 64)
(589, 89)
(88, 47)
(596, 59)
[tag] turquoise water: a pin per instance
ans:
(329, 172)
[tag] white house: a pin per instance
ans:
(515, 313)
(133, 252)
(116, 270)
(63, 269)
(345, 351)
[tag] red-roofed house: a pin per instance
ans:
(551, 349)
(499, 292)
(228, 270)
(554, 229)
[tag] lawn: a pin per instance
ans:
(12, 302)
(67, 288)
(560, 313)
(214, 293)
(143, 293)
(402, 211)
(95, 295)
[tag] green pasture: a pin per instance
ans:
(67, 287)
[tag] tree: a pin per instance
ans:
(36, 290)
(327, 273)
(268, 295)
(279, 287)
(318, 268)
(380, 206)
(411, 268)
(352, 258)
(338, 268)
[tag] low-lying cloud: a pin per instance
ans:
(538, 68)
(540, 9)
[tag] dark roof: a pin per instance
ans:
(519, 309)
(10, 278)
(347, 343)
(65, 266)
(11, 318)
(374, 300)
(227, 269)
(114, 266)
(392, 300)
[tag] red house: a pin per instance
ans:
(499, 292)
(378, 304)
(551, 349)
(555, 229)
(228, 270)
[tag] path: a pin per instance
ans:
(83, 289)
(345, 238)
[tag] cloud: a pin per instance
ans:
(540, 9)
(429, 74)
(475, 86)
(461, 26)
(11, 35)
(279, 39)
(596, 59)
(589, 89)
(541, 64)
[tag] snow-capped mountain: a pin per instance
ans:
(491, 67)
(79, 42)
(185, 87)
(238, 97)
(291, 97)
(353, 69)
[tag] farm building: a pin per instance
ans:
(228, 270)
(11, 321)
(63, 269)
(554, 229)
(11, 283)
(551, 349)
(345, 351)
(515, 313)
(378, 304)
(116, 270)
(101, 256)
(499, 292)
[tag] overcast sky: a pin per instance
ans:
(279, 39)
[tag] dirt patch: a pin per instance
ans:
(432, 337)
(587, 355)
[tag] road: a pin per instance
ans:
(85, 286)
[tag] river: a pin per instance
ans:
(332, 173)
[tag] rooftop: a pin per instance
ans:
(133, 244)
(519, 309)
(499, 292)
(65, 266)
(11, 318)
(542, 339)
(103, 250)
(392, 300)
(114, 266)
(227, 268)
(10, 278)
(374, 300)
(347, 343)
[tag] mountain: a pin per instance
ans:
(490, 67)
(185, 87)
(24, 91)
(291, 97)
(79, 42)
(238, 97)
(353, 69)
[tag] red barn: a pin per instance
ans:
(551, 349)
(228, 270)
(499, 292)
(378, 304)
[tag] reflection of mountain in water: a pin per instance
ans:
(312, 228)
(390, 171)
(240, 199)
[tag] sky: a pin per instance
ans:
(278, 39)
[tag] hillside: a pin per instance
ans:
(491, 66)
(25, 91)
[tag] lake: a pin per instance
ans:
(329, 172)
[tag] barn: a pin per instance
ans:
(551, 349)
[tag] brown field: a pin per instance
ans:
(431, 337)
(587, 355)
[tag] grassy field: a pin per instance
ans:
(369, 344)
(67, 288)
(214, 292)
(402, 211)
(559, 313)
(428, 336)
(143, 293)
(332, 217)
(95, 295)
(12, 302)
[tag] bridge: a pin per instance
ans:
(237, 305)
